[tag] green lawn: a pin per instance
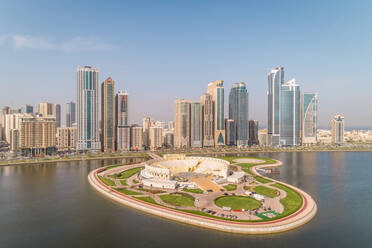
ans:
(107, 181)
(127, 173)
(262, 180)
(123, 182)
(128, 192)
(237, 202)
(195, 191)
(262, 190)
(230, 187)
(148, 199)
(152, 191)
(292, 202)
(178, 199)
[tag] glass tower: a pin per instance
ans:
(196, 122)
(217, 91)
(70, 114)
(122, 121)
(309, 110)
(87, 109)
(238, 111)
(108, 115)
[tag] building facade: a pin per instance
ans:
(208, 120)
(338, 130)
(37, 135)
(217, 91)
(156, 137)
(290, 114)
(253, 133)
(66, 138)
(122, 121)
(14, 140)
(45, 109)
(182, 123)
(147, 123)
(70, 114)
(196, 122)
(309, 114)
(238, 111)
(87, 109)
(57, 114)
(27, 109)
(136, 139)
(108, 115)
(230, 131)
(4, 112)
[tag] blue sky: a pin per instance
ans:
(162, 50)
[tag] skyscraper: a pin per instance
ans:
(275, 80)
(338, 128)
(290, 114)
(196, 122)
(208, 120)
(230, 132)
(136, 139)
(108, 115)
(46, 109)
(70, 114)
(57, 114)
(309, 110)
(122, 121)
(238, 111)
(147, 123)
(217, 91)
(4, 112)
(87, 109)
(182, 123)
(253, 132)
(156, 137)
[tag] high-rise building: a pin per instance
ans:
(275, 81)
(136, 139)
(37, 135)
(182, 123)
(108, 115)
(45, 109)
(238, 111)
(70, 114)
(122, 121)
(27, 109)
(290, 114)
(169, 138)
(263, 137)
(196, 122)
(156, 137)
(208, 120)
(253, 132)
(57, 114)
(87, 109)
(147, 123)
(12, 121)
(15, 111)
(66, 138)
(309, 114)
(230, 131)
(14, 140)
(4, 112)
(216, 90)
(338, 129)
(170, 125)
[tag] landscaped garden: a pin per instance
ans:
(178, 199)
(269, 192)
(237, 202)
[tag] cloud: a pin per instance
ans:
(78, 43)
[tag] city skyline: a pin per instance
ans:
(321, 46)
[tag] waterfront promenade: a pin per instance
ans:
(306, 212)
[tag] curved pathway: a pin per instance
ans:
(299, 218)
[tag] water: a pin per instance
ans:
(53, 205)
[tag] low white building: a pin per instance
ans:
(159, 184)
(237, 177)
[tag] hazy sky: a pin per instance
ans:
(162, 50)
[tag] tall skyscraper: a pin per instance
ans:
(253, 132)
(57, 114)
(108, 115)
(27, 109)
(87, 109)
(45, 109)
(309, 114)
(238, 111)
(170, 125)
(338, 129)
(70, 114)
(196, 122)
(182, 123)
(156, 137)
(208, 120)
(147, 123)
(275, 81)
(4, 112)
(230, 132)
(217, 91)
(290, 114)
(122, 121)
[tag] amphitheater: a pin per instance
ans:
(178, 170)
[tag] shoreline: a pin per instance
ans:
(302, 216)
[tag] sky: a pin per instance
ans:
(160, 51)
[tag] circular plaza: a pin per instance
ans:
(226, 194)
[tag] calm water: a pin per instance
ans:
(53, 205)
